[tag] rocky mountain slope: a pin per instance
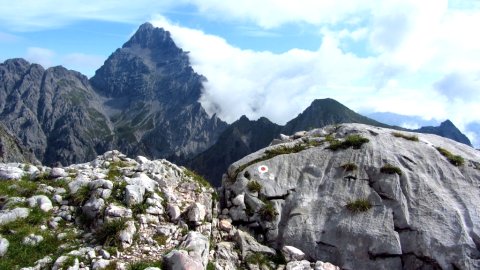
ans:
(143, 100)
(53, 112)
(152, 98)
(245, 136)
(12, 150)
(362, 197)
(120, 213)
(448, 130)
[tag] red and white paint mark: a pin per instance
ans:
(262, 169)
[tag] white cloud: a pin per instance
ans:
(6, 37)
(266, 84)
(40, 56)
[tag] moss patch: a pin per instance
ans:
(390, 169)
(360, 205)
(413, 138)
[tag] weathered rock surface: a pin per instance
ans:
(424, 216)
(90, 224)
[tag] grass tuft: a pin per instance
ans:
(349, 167)
(413, 138)
(355, 141)
(360, 205)
(107, 234)
(390, 169)
(198, 178)
(455, 160)
(254, 186)
(268, 211)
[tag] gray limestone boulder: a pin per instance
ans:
(134, 194)
(58, 172)
(180, 260)
(41, 201)
(401, 200)
(10, 172)
(3, 246)
(198, 246)
(248, 245)
(9, 215)
(196, 213)
(127, 234)
(292, 253)
(93, 206)
(32, 240)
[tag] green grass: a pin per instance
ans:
(254, 186)
(79, 197)
(390, 169)
(107, 234)
(144, 264)
(413, 138)
(268, 211)
(198, 178)
(210, 266)
(455, 160)
(360, 205)
(20, 255)
(349, 167)
(355, 141)
(18, 188)
(257, 259)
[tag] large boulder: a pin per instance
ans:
(7, 216)
(3, 246)
(40, 201)
(400, 199)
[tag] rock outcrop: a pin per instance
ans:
(120, 213)
(362, 197)
(54, 112)
(152, 96)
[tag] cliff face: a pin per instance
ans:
(54, 112)
(393, 202)
(143, 100)
(152, 97)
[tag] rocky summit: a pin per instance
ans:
(121, 213)
(362, 197)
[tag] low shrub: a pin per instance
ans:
(455, 160)
(160, 239)
(349, 167)
(268, 211)
(405, 136)
(109, 231)
(355, 141)
(254, 186)
(360, 205)
(82, 194)
(390, 169)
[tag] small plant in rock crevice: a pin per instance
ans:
(268, 212)
(390, 169)
(355, 141)
(349, 167)
(455, 160)
(109, 231)
(254, 186)
(360, 205)
(413, 138)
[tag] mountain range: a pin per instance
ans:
(142, 101)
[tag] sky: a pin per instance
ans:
(274, 57)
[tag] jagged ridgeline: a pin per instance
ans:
(143, 100)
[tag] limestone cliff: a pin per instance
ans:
(362, 197)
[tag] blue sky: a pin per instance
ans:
(273, 57)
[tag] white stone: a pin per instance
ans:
(319, 265)
(113, 210)
(41, 201)
(9, 172)
(58, 172)
(3, 246)
(292, 253)
(196, 213)
(32, 240)
(100, 264)
(174, 212)
(298, 265)
(126, 235)
(7, 216)
(134, 194)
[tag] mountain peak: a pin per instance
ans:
(447, 129)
